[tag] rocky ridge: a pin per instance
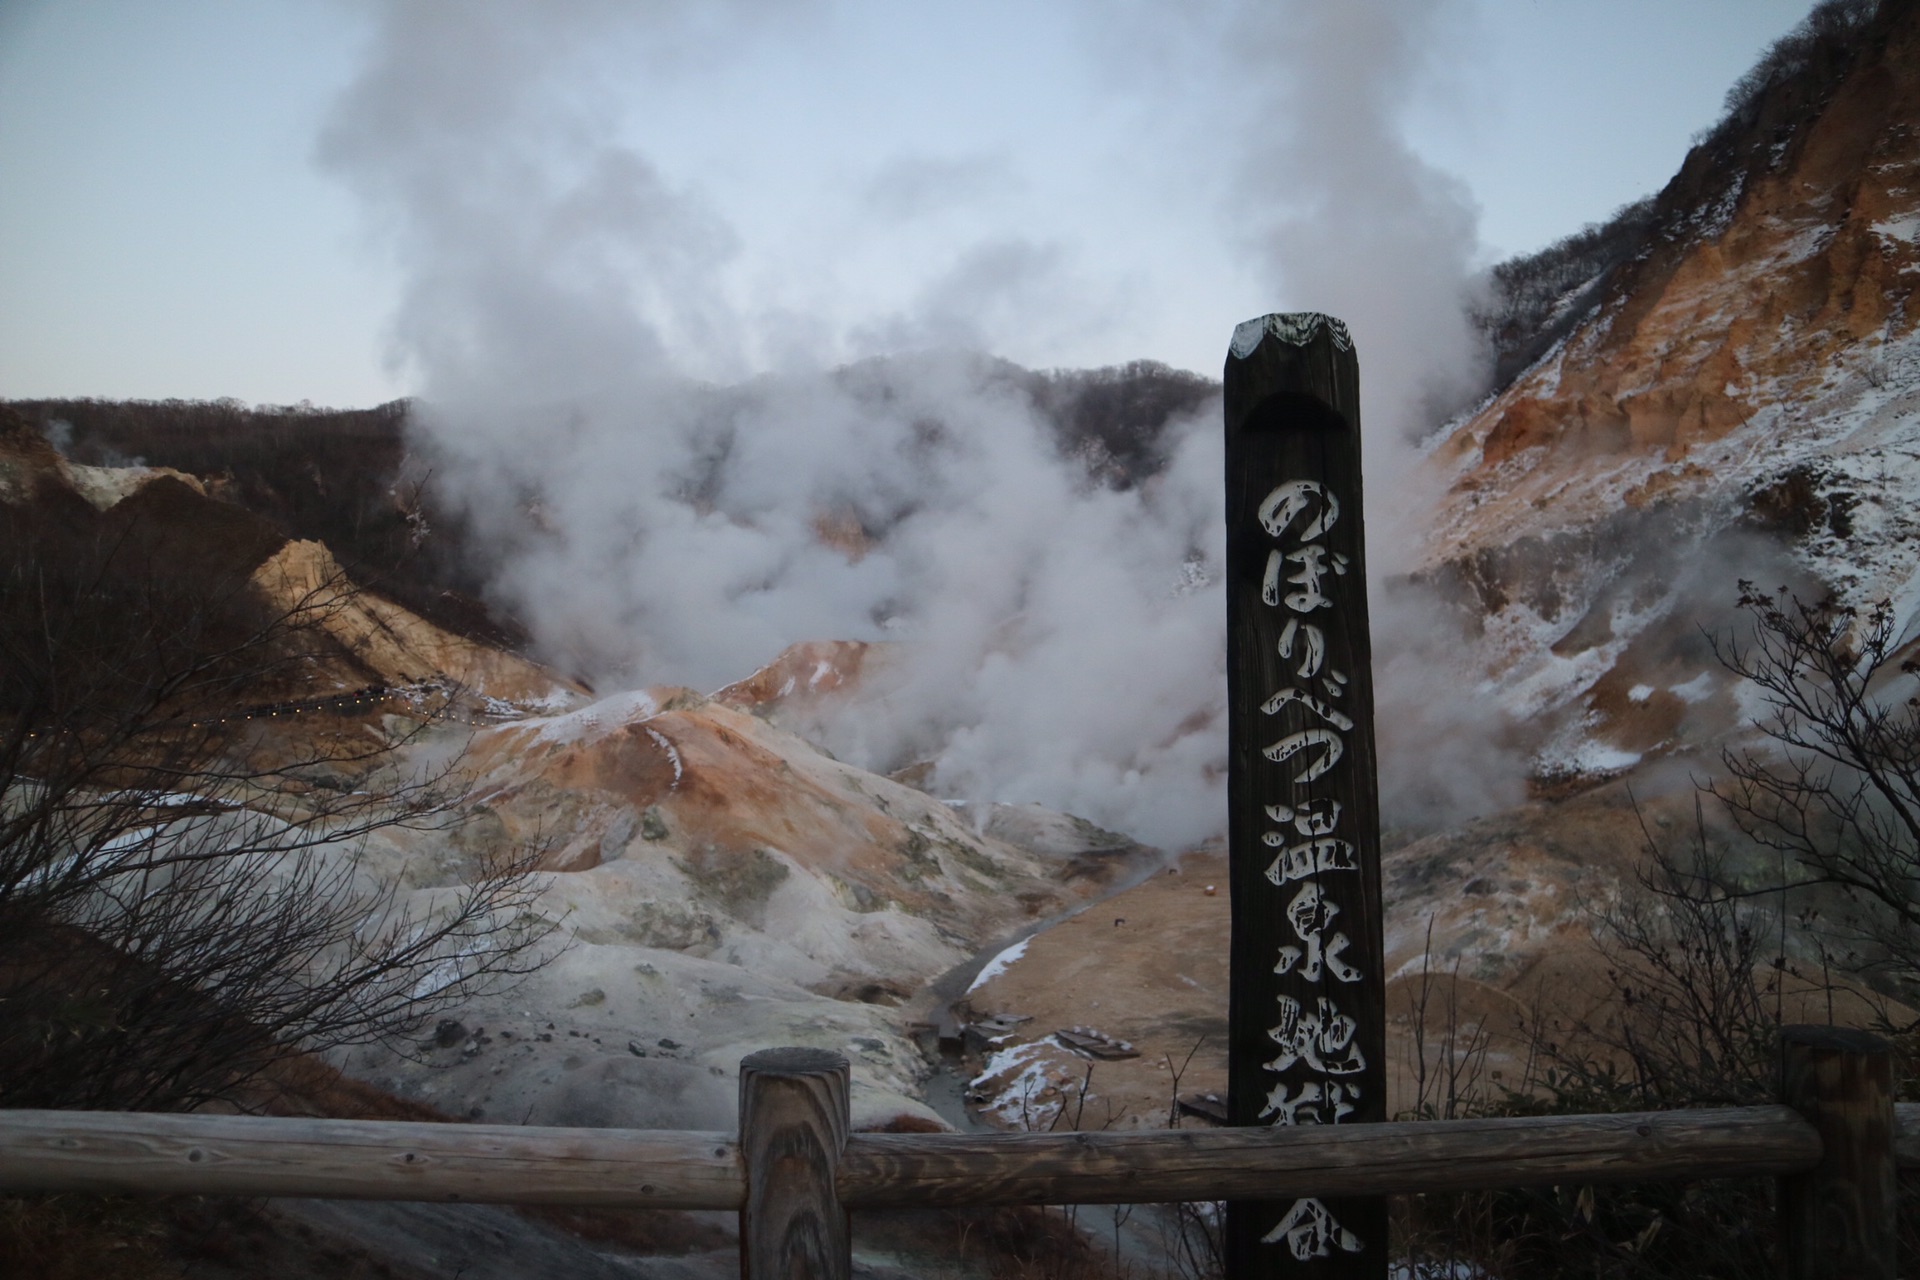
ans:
(1744, 401)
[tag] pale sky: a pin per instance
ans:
(166, 230)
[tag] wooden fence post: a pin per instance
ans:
(1307, 1004)
(793, 1130)
(1837, 1220)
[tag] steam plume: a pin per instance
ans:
(566, 314)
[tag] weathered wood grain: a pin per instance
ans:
(1307, 1000)
(366, 1160)
(386, 1160)
(890, 1170)
(1838, 1219)
(793, 1126)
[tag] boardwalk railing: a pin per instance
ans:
(795, 1170)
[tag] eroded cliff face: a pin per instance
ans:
(1744, 400)
(718, 883)
(721, 886)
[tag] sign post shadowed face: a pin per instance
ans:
(1307, 1023)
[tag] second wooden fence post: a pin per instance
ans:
(1838, 1220)
(793, 1130)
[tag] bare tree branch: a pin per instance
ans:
(183, 895)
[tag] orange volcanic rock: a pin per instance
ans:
(392, 645)
(803, 672)
(1740, 400)
(1490, 930)
(745, 838)
(1804, 265)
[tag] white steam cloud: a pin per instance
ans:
(566, 315)
(1345, 218)
(1350, 221)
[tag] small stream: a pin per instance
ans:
(1138, 1236)
(945, 1088)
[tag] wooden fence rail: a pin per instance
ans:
(380, 1160)
(810, 1171)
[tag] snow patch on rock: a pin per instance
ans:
(999, 964)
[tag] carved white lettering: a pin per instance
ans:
(1313, 567)
(1294, 743)
(1313, 641)
(1310, 1232)
(1321, 1038)
(1299, 861)
(1314, 1104)
(1289, 694)
(1285, 1105)
(1310, 817)
(1311, 915)
(1289, 501)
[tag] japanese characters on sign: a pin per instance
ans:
(1306, 1017)
(1318, 1058)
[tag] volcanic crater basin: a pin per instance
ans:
(717, 886)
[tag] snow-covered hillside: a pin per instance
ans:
(1742, 400)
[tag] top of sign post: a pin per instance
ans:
(1301, 359)
(1295, 328)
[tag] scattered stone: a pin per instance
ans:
(982, 1034)
(449, 1033)
(588, 998)
(633, 1047)
(1207, 1106)
(1095, 1044)
(669, 1044)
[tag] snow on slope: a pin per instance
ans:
(1743, 403)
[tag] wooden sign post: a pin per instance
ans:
(1307, 1017)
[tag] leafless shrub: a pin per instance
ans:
(182, 901)
(1447, 1055)
(1837, 793)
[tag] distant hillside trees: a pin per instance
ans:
(344, 477)
(1821, 45)
(1535, 299)
(1114, 419)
